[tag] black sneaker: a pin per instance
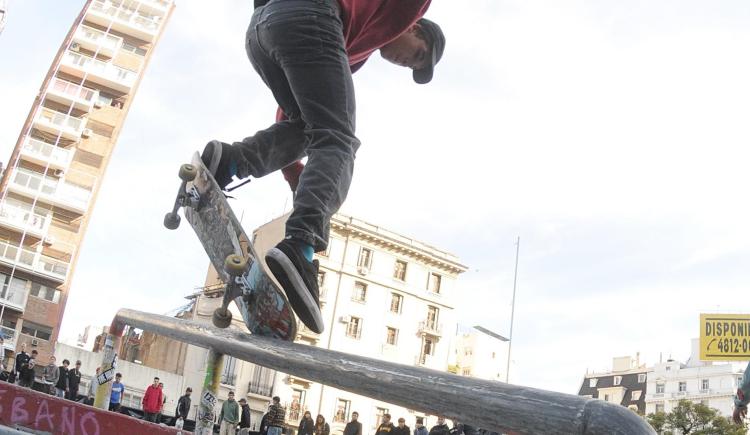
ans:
(216, 157)
(299, 279)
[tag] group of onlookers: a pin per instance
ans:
(61, 381)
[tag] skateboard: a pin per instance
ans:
(249, 283)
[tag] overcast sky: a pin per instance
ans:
(610, 136)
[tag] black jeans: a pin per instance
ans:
(298, 49)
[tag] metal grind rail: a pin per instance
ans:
(494, 406)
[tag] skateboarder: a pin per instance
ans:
(306, 51)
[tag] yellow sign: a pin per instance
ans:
(725, 337)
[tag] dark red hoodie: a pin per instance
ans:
(368, 25)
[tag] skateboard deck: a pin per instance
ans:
(264, 306)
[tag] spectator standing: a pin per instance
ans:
(183, 405)
(74, 380)
(354, 427)
(163, 401)
(61, 387)
(440, 428)
(21, 358)
(93, 385)
(244, 417)
(27, 370)
(419, 428)
(263, 429)
(401, 428)
(51, 374)
(229, 416)
(276, 417)
(306, 425)
(118, 391)
(321, 427)
(152, 402)
(386, 426)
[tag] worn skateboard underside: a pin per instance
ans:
(262, 304)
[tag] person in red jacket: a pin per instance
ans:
(152, 401)
(306, 51)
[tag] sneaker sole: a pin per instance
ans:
(290, 280)
(215, 157)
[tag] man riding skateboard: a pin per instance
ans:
(306, 51)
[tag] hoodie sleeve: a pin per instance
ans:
(743, 390)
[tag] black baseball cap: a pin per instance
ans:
(436, 40)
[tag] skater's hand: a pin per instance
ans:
(739, 414)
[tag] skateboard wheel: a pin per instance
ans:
(235, 265)
(172, 220)
(221, 318)
(188, 172)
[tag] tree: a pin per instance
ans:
(689, 418)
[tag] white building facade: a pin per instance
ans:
(383, 296)
(481, 353)
(713, 385)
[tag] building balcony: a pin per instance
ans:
(72, 94)
(18, 216)
(430, 327)
(260, 389)
(97, 41)
(33, 262)
(425, 360)
(155, 7)
(305, 332)
(14, 298)
(58, 123)
(9, 337)
(142, 23)
(98, 71)
(50, 190)
(46, 154)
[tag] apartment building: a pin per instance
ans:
(50, 184)
(383, 295)
(713, 385)
(481, 353)
(624, 385)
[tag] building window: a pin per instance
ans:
(396, 303)
(432, 317)
(133, 49)
(228, 376)
(379, 413)
(635, 395)
(44, 292)
(592, 382)
(607, 397)
(682, 386)
(391, 336)
(704, 384)
(35, 330)
(467, 351)
(342, 411)
(298, 404)
(261, 381)
(433, 284)
(365, 258)
(493, 355)
(466, 372)
(428, 349)
(13, 290)
(617, 380)
(399, 271)
(360, 292)
(641, 378)
(659, 388)
(321, 278)
(354, 328)
(659, 407)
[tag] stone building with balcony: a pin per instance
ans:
(713, 385)
(384, 296)
(49, 187)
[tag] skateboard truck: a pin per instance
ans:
(235, 266)
(185, 197)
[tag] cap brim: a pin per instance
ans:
(422, 76)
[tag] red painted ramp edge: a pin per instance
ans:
(24, 408)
